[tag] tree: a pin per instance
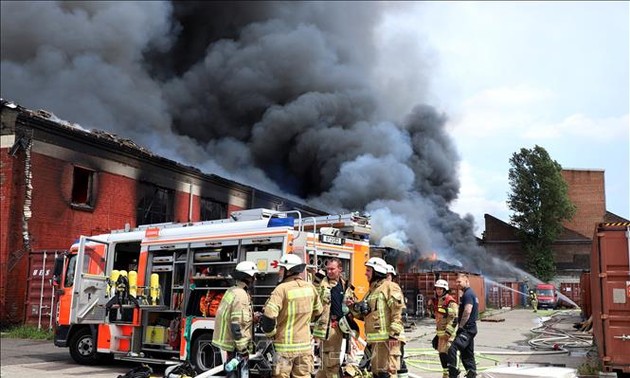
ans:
(540, 203)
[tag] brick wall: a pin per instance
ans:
(13, 254)
(57, 224)
(587, 191)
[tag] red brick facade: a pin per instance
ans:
(573, 247)
(587, 191)
(118, 174)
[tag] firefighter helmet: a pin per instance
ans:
(344, 326)
(292, 263)
(245, 270)
(441, 283)
(378, 264)
(391, 270)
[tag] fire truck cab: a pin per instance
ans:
(150, 294)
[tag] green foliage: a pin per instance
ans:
(29, 332)
(540, 203)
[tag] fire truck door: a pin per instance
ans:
(90, 282)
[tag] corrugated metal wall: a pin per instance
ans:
(413, 284)
(504, 294)
(40, 301)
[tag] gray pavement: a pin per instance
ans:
(32, 358)
(502, 342)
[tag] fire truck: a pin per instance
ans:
(150, 294)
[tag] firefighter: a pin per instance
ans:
(464, 342)
(445, 310)
(534, 300)
(382, 311)
(233, 327)
(290, 309)
(401, 366)
(330, 328)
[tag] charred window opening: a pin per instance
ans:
(155, 204)
(82, 187)
(211, 209)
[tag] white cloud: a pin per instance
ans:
(582, 126)
(503, 110)
(475, 198)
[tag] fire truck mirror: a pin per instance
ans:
(58, 270)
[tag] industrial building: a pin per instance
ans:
(59, 181)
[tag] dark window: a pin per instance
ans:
(211, 209)
(155, 204)
(82, 187)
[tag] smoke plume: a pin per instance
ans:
(295, 98)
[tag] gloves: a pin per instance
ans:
(434, 342)
(362, 307)
(459, 331)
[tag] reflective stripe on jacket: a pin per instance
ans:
(445, 315)
(294, 304)
(385, 317)
(235, 308)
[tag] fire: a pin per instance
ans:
(433, 257)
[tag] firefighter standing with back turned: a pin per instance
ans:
(445, 310)
(233, 328)
(401, 366)
(534, 300)
(292, 306)
(381, 309)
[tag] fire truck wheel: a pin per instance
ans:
(204, 356)
(83, 347)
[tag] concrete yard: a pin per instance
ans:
(505, 341)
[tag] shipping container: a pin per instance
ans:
(571, 290)
(40, 295)
(503, 294)
(610, 294)
(585, 295)
(423, 282)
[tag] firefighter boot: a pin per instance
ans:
(471, 374)
(453, 372)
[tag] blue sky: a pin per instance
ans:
(513, 75)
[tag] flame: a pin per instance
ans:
(433, 257)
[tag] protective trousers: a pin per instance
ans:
(293, 365)
(385, 361)
(331, 349)
(464, 343)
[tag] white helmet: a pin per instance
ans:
(391, 269)
(247, 267)
(292, 263)
(245, 271)
(441, 283)
(344, 325)
(378, 264)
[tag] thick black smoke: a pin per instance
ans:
(294, 98)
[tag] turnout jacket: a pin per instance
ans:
(445, 315)
(234, 313)
(320, 330)
(293, 304)
(384, 319)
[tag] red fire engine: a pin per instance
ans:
(150, 294)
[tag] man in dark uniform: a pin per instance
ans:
(465, 337)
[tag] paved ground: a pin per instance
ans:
(30, 358)
(505, 342)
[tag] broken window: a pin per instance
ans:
(155, 204)
(82, 187)
(211, 209)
